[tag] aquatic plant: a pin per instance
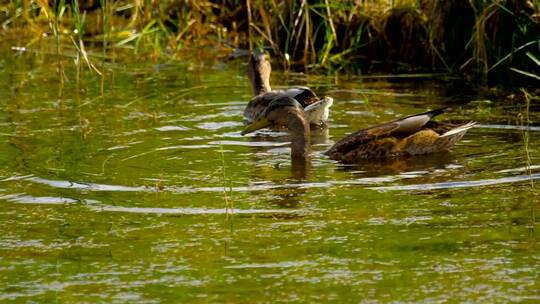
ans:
(525, 123)
(480, 38)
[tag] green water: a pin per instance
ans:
(148, 193)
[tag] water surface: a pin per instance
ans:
(147, 192)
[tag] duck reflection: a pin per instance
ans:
(274, 142)
(426, 162)
(285, 174)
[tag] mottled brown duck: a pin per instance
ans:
(412, 135)
(259, 69)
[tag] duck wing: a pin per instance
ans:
(399, 128)
(304, 95)
(359, 138)
(408, 125)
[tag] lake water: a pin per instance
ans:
(143, 190)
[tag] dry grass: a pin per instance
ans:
(478, 37)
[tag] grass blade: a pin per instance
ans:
(533, 58)
(525, 73)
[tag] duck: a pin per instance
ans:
(411, 135)
(259, 70)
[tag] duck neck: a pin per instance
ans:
(299, 130)
(260, 84)
(259, 75)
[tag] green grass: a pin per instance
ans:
(484, 39)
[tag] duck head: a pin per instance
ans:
(284, 111)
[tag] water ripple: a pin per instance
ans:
(218, 125)
(460, 184)
(367, 181)
(84, 186)
(172, 128)
(45, 200)
(284, 264)
(179, 147)
(249, 144)
(95, 205)
(509, 127)
(191, 211)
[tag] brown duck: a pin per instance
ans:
(259, 69)
(413, 135)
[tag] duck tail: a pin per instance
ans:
(449, 138)
(325, 103)
(459, 130)
(317, 113)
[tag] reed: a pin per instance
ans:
(79, 23)
(54, 19)
(481, 38)
(106, 12)
(525, 122)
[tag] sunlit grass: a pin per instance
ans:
(480, 38)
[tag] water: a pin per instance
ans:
(147, 192)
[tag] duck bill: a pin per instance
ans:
(259, 123)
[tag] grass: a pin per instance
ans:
(226, 196)
(480, 38)
(79, 43)
(54, 20)
(535, 61)
(227, 191)
(525, 121)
